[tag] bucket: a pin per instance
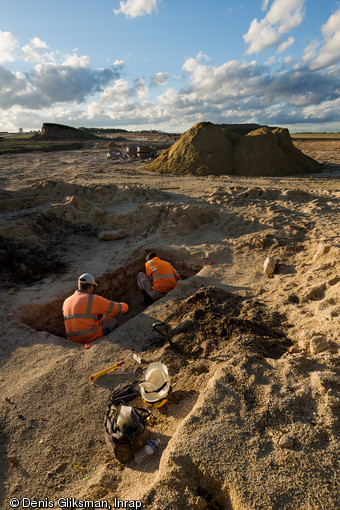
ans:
(156, 385)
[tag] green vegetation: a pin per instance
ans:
(103, 130)
(19, 144)
(117, 130)
(324, 185)
(320, 136)
(21, 136)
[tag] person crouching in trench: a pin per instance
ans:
(87, 316)
(160, 278)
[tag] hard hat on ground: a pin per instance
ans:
(87, 278)
(156, 385)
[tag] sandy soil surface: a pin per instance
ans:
(252, 420)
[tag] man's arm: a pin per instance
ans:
(148, 270)
(108, 308)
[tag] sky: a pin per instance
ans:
(169, 64)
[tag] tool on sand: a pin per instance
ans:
(139, 359)
(109, 369)
(163, 329)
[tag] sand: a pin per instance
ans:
(252, 420)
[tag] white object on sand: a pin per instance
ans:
(269, 266)
(156, 385)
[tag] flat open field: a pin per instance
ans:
(325, 150)
(252, 420)
(316, 136)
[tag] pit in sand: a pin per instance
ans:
(117, 285)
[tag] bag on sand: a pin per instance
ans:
(125, 393)
(124, 430)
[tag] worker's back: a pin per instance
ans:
(163, 275)
(80, 317)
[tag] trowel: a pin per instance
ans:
(163, 329)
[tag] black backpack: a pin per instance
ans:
(124, 425)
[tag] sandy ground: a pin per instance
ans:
(252, 420)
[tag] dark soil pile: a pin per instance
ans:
(210, 149)
(51, 131)
(21, 262)
(206, 324)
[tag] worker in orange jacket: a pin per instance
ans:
(160, 278)
(88, 316)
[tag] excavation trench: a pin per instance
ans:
(117, 285)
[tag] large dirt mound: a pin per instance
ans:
(271, 152)
(205, 149)
(212, 149)
(51, 131)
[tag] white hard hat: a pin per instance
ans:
(156, 385)
(87, 278)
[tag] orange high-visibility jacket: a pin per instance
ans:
(163, 275)
(81, 311)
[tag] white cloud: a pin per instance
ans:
(38, 43)
(254, 89)
(118, 91)
(280, 91)
(35, 51)
(159, 79)
(310, 51)
(139, 89)
(286, 44)
(30, 55)
(321, 112)
(8, 46)
(289, 60)
(118, 96)
(329, 53)
(48, 84)
(270, 61)
(76, 62)
(283, 16)
(135, 8)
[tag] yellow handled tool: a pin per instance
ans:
(109, 369)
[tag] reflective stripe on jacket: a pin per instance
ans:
(163, 275)
(81, 311)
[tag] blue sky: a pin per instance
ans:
(168, 64)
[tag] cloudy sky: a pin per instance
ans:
(168, 64)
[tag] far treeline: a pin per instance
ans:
(116, 130)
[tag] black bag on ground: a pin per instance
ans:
(125, 393)
(124, 429)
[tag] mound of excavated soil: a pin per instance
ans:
(270, 152)
(205, 149)
(212, 149)
(51, 131)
